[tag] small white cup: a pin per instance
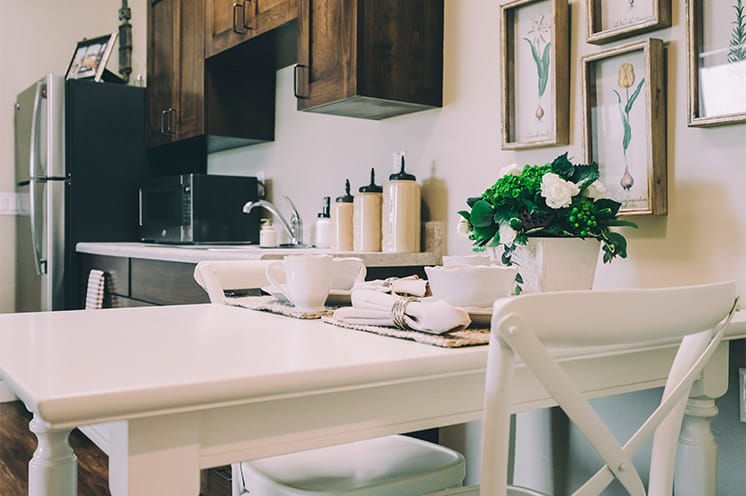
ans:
(346, 272)
(309, 278)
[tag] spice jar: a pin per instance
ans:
(342, 221)
(366, 221)
(400, 220)
(267, 234)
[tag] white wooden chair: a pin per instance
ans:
(386, 466)
(532, 325)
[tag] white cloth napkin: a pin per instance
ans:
(410, 285)
(374, 308)
(94, 297)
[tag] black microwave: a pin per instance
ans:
(199, 208)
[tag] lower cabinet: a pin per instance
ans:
(133, 282)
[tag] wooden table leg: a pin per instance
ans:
(53, 470)
(696, 459)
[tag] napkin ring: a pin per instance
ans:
(399, 309)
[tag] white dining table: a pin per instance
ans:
(201, 386)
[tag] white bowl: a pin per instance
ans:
(459, 260)
(471, 285)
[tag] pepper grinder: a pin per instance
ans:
(366, 221)
(401, 213)
(342, 221)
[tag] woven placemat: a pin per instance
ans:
(453, 339)
(274, 305)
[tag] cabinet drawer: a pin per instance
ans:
(165, 283)
(117, 273)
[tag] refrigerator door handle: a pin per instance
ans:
(35, 131)
(39, 264)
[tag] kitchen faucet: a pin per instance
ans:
(294, 228)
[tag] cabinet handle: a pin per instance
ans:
(239, 28)
(163, 121)
(246, 8)
(296, 79)
(172, 121)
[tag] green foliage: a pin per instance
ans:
(737, 43)
(515, 200)
(542, 63)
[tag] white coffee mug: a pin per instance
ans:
(308, 280)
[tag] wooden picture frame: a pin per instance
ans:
(611, 20)
(535, 74)
(625, 124)
(716, 52)
(90, 57)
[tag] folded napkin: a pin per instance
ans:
(377, 308)
(410, 285)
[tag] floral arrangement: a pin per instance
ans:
(560, 199)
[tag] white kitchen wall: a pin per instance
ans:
(38, 37)
(701, 239)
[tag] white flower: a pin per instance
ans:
(513, 169)
(507, 234)
(463, 228)
(596, 190)
(557, 191)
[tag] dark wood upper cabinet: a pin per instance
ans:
(201, 105)
(370, 59)
(232, 22)
(176, 71)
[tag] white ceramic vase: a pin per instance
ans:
(557, 264)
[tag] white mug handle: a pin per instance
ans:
(269, 273)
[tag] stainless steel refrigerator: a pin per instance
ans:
(80, 158)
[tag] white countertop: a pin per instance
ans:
(198, 253)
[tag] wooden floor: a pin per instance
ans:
(17, 445)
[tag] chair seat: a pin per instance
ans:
(474, 491)
(387, 466)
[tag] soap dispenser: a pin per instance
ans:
(366, 221)
(342, 221)
(324, 226)
(401, 213)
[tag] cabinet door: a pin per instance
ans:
(163, 57)
(231, 22)
(227, 24)
(189, 114)
(176, 78)
(327, 51)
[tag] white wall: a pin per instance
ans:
(38, 37)
(701, 239)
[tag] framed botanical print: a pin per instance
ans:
(625, 124)
(610, 20)
(717, 62)
(535, 73)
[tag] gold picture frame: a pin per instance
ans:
(716, 62)
(535, 74)
(625, 124)
(611, 20)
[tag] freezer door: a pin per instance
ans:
(39, 130)
(40, 248)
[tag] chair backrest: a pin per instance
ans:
(216, 277)
(526, 325)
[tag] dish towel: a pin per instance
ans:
(94, 297)
(410, 285)
(381, 309)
